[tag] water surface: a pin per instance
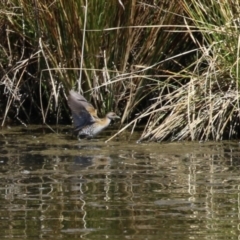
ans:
(55, 187)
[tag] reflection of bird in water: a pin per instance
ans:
(85, 120)
(91, 162)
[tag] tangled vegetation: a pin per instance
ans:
(173, 67)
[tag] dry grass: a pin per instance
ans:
(207, 106)
(102, 49)
(173, 67)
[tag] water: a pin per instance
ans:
(54, 187)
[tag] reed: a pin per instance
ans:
(172, 67)
(43, 51)
(207, 106)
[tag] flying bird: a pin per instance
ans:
(85, 119)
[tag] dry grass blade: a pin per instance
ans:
(171, 66)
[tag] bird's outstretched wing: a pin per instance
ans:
(83, 112)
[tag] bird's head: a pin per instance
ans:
(112, 115)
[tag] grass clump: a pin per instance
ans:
(207, 105)
(173, 67)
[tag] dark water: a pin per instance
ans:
(54, 187)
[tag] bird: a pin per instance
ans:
(85, 119)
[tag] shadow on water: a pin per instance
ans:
(55, 187)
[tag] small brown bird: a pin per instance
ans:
(85, 120)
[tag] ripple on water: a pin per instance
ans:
(53, 186)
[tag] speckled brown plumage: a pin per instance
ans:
(85, 119)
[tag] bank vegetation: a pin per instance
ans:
(170, 66)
